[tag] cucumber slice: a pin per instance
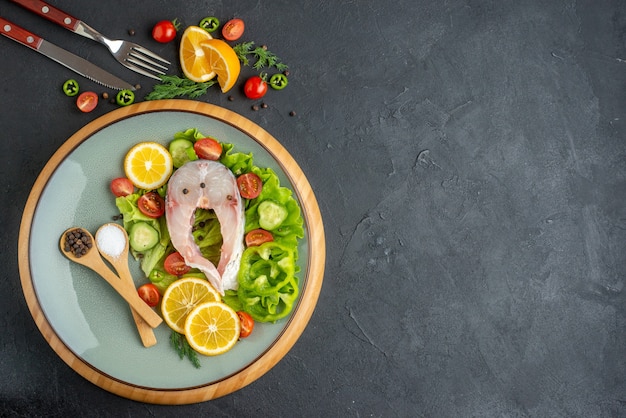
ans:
(142, 236)
(271, 214)
(178, 149)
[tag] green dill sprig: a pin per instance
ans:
(182, 347)
(263, 58)
(172, 86)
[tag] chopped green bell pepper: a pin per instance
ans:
(267, 283)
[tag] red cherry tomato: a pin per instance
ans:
(233, 29)
(175, 264)
(258, 237)
(250, 185)
(255, 87)
(208, 149)
(151, 204)
(87, 101)
(246, 322)
(164, 31)
(150, 294)
(122, 187)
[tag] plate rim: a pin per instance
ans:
(300, 317)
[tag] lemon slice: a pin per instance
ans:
(182, 296)
(212, 328)
(223, 61)
(148, 165)
(193, 62)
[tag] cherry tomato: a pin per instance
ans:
(208, 149)
(258, 237)
(255, 87)
(164, 31)
(233, 29)
(121, 186)
(150, 294)
(151, 204)
(250, 185)
(247, 324)
(87, 101)
(175, 264)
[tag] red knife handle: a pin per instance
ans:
(49, 12)
(19, 34)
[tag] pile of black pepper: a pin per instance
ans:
(77, 241)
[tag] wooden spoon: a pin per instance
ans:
(93, 260)
(120, 263)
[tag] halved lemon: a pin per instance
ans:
(223, 61)
(182, 296)
(193, 62)
(212, 328)
(148, 165)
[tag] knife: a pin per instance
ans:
(63, 57)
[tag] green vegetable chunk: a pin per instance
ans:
(178, 149)
(271, 214)
(125, 97)
(142, 236)
(70, 87)
(267, 283)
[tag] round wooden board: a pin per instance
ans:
(311, 279)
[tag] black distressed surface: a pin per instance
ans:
(468, 159)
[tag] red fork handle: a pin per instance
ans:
(19, 34)
(50, 12)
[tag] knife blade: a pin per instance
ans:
(63, 57)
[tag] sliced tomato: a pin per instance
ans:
(150, 294)
(246, 324)
(151, 204)
(233, 29)
(122, 186)
(87, 101)
(175, 264)
(250, 185)
(258, 237)
(208, 149)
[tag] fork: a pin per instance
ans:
(129, 54)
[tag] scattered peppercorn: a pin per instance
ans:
(131, 32)
(264, 105)
(185, 191)
(78, 242)
(105, 95)
(292, 113)
(255, 107)
(137, 86)
(286, 73)
(231, 98)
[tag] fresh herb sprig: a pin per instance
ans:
(172, 86)
(263, 58)
(182, 347)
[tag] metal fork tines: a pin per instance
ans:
(131, 55)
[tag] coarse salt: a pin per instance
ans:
(111, 240)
